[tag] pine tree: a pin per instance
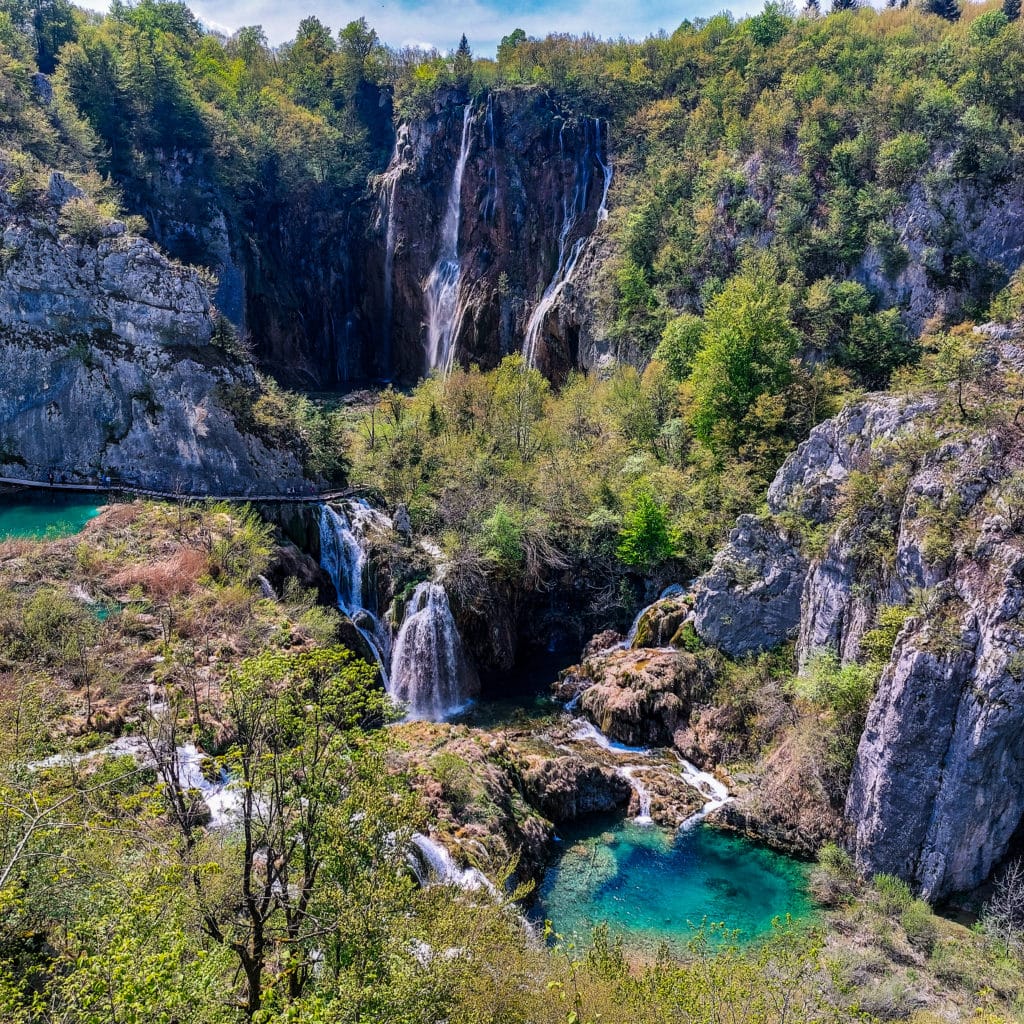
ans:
(844, 5)
(1011, 8)
(462, 68)
(948, 9)
(812, 9)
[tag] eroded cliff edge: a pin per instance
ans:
(112, 363)
(905, 507)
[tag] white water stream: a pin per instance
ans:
(442, 291)
(569, 253)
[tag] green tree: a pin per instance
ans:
(1011, 8)
(462, 65)
(645, 539)
(749, 342)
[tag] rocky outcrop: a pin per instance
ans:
(761, 590)
(638, 697)
(568, 787)
(749, 600)
(953, 233)
(915, 507)
(109, 367)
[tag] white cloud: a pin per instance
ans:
(440, 22)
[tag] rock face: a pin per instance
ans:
(566, 788)
(532, 196)
(749, 600)
(761, 591)
(917, 509)
(638, 697)
(109, 368)
(943, 229)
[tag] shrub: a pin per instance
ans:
(894, 895)
(919, 924)
(85, 220)
(900, 158)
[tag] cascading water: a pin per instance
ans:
(386, 218)
(643, 794)
(343, 558)
(442, 290)
(429, 670)
(569, 254)
(432, 864)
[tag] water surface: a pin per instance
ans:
(38, 514)
(651, 886)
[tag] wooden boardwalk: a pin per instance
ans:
(116, 487)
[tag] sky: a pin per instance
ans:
(440, 22)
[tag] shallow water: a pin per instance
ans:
(36, 515)
(652, 887)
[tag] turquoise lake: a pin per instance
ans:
(651, 886)
(41, 514)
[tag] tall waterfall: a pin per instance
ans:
(343, 558)
(429, 669)
(386, 220)
(442, 290)
(569, 254)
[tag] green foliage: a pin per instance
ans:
(842, 690)
(894, 895)
(645, 539)
(901, 158)
(749, 341)
(877, 643)
(680, 343)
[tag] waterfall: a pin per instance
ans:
(386, 217)
(429, 670)
(569, 254)
(442, 290)
(343, 558)
(673, 590)
(606, 170)
(715, 793)
(643, 794)
(432, 864)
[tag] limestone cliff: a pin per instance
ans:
(533, 197)
(901, 502)
(109, 362)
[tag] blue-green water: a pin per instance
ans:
(38, 514)
(652, 887)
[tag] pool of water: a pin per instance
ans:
(41, 514)
(651, 886)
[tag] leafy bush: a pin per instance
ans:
(919, 924)
(901, 158)
(894, 895)
(84, 219)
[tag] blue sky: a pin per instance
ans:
(440, 22)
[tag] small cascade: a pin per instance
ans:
(585, 731)
(572, 210)
(429, 670)
(343, 558)
(643, 794)
(442, 290)
(715, 792)
(673, 590)
(222, 797)
(490, 205)
(606, 170)
(432, 864)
